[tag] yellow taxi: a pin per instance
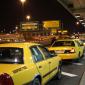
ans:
(67, 49)
(80, 43)
(27, 64)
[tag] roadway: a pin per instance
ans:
(71, 73)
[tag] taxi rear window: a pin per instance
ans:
(63, 43)
(11, 55)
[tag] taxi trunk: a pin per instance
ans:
(65, 52)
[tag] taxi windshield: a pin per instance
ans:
(11, 55)
(63, 43)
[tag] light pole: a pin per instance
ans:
(23, 2)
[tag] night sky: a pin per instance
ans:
(11, 12)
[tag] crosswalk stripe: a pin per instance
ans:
(69, 74)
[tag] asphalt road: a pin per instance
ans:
(71, 73)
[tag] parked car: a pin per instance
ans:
(27, 64)
(80, 43)
(67, 49)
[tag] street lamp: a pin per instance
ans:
(28, 17)
(23, 2)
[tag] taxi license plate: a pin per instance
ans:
(59, 51)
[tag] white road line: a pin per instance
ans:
(79, 64)
(69, 74)
(82, 82)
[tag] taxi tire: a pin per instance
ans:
(59, 74)
(36, 82)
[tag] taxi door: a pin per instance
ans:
(41, 64)
(52, 61)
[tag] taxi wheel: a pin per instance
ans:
(36, 82)
(59, 75)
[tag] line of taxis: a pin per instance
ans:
(68, 48)
(33, 64)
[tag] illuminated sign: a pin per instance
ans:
(29, 25)
(51, 24)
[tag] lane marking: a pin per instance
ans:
(69, 74)
(79, 64)
(82, 82)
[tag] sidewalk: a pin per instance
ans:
(82, 82)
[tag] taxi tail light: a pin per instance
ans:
(5, 79)
(72, 50)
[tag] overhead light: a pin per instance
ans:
(77, 15)
(83, 23)
(77, 23)
(81, 20)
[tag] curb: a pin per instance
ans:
(82, 82)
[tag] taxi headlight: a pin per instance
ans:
(70, 51)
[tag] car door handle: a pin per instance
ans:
(49, 62)
(40, 66)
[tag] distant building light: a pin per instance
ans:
(77, 15)
(16, 27)
(81, 20)
(77, 23)
(83, 23)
